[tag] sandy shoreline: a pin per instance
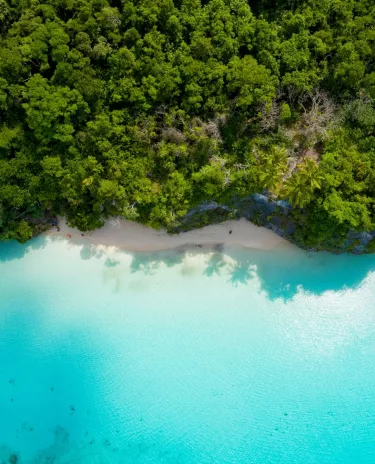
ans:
(131, 236)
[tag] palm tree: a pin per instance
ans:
(270, 176)
(299, 188)
(273, 168)
(296, 190)
(309, 172)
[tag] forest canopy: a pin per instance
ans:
(147, 108)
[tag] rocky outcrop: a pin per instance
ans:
(275, 215)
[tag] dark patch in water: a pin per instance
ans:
(111, 262)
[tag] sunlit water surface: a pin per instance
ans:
(185, 357)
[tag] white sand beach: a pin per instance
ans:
(131, 236)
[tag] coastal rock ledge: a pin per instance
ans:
(276, 215)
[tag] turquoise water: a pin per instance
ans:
(185, 357)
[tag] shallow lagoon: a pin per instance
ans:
(235, 356)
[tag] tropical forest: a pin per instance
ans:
(149, 109)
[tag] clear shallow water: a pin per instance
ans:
(235, 357)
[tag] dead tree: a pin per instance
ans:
(320, 115)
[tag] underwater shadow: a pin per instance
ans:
(241, 272)
(10, 250)
(282, 273)
(148, 263)
(215, 265)
(89, 251)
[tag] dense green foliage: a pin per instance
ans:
(145, 108)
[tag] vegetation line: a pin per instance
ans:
(147, 109)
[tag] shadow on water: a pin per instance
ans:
(215, 265)
(14, 250)
(241, 272)
(148, 263)
(91, 251)
(281, 272)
